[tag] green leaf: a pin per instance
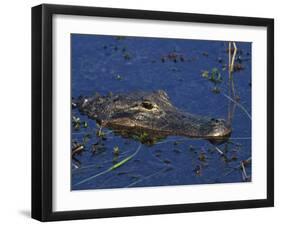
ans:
(117, 165)
(120, 163)
(205, 74)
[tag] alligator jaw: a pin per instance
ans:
(215, 132)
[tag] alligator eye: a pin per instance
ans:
(147, 105)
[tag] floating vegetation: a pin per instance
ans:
(86, 138)
(176, 150)
(224, 67)
(116, 49)
(119, 38)
(205, 74)
(98, 148)
(225, 158)
(100, 133)
(214, 77)
(77, 123)
(191, 148)
(167, 161)
(117, 165)
(118, 77)
(216, 90)
(116, 150)
(77, 149)
(173, 57)
(206, 54)
(146, 138)
(85, 124)
(202, 157)
(198, 170)
(127, 56)
(73, 104)
(158, 153)
(104, 147)
(243, 165)
(238, 67)
(178, 142)
(141, 137)
(175, 69)
(234, 157)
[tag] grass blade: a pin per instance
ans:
(117, 165)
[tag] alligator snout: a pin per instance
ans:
(220, 128)
(195, 126)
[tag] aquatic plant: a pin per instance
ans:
(214, 77)
(86, 138)
(77, 123)
(76, 148)
(127, 56)
(173, 57)
(146, 138)
(118, 77)
(116, 150)
(100, 133)
(115, 166)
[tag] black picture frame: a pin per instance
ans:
(42, 111)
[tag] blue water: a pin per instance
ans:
(103, 64)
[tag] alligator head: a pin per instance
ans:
(153, 114)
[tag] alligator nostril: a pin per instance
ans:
(215, 120)
(147, 105)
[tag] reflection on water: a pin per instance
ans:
(194, 74)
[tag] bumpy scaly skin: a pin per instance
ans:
(150, 112)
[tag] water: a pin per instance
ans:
(104, 64)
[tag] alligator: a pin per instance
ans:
(152, 114)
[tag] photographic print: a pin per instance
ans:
(150, 111)
(131, 105)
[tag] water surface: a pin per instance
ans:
(104, 64)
